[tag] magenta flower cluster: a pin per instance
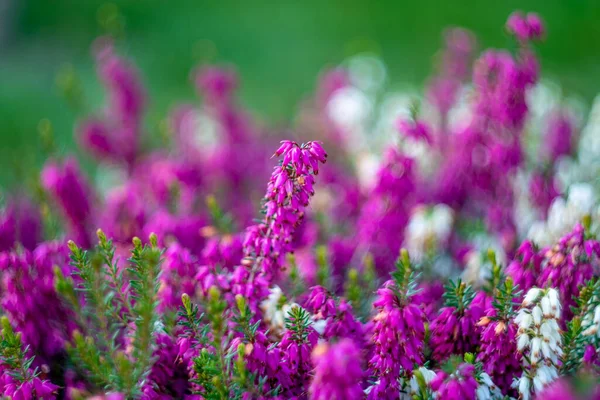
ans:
(443, 249)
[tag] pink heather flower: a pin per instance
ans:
(265, 360)
(455, 332)
(20, 221)
(338, 374)
(430, 298)
(568, 265)
(459, 385)
(183, 229)
(179, 271)
(169, 377)
(33, 388)
(125, 91)
(559, 136)
(295, 353)
(339, 319)
(501, 84)
(543, 191)
(217, 84)
(443, 93)
(115, 134)
(498, 352)
(254, 287)
(125, 212)
(30, 301)
(398, 334)
(345, 325)
(590, 356)
(66, 185)
(525, 27)
(417, 130)
(8, 228)
(526, 267)
(224, 252)
(288, 194)
(387, 210)
(340, 251)
(455, 64)
(320, 303)
(558, 390)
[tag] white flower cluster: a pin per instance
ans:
(487, 390)
(413, 389)
(591, 321)
(428, 228)
(564, 214)
(539, 339)
(276, 309)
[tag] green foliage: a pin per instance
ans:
(323, 268)
(221, 220)
(451, 365)
(496, 277)
(575, 338)
(113, 305)
(405, 278)
(359, 287)
(458, 295)
(297, 285)
(504, 299)
(13, 355)
(424, 391)
(220, 368)
(298, 322)
(243, 319)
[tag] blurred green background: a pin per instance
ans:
(278, 47)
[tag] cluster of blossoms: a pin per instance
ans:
(404, 249)
(539, 339)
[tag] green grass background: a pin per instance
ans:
(279, 47)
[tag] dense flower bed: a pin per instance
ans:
(434, 246)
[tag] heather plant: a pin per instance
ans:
(426, 246)
(116, 308)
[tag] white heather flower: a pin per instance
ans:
(531, 296)
(524, 319)
(546, 374)
(546, 308)
(536, 346)
(541, 343)
(591, 322)
(349, 107)
(271, 308)
(537, 315)
(487, 390)
(276, 310)
(537, 384)
(546, 350)
(428, 376)
(563, 214)
(522, 342)
(554, 301)
(524, 387)
(367, 165)
(319, 326)
(483, 393)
